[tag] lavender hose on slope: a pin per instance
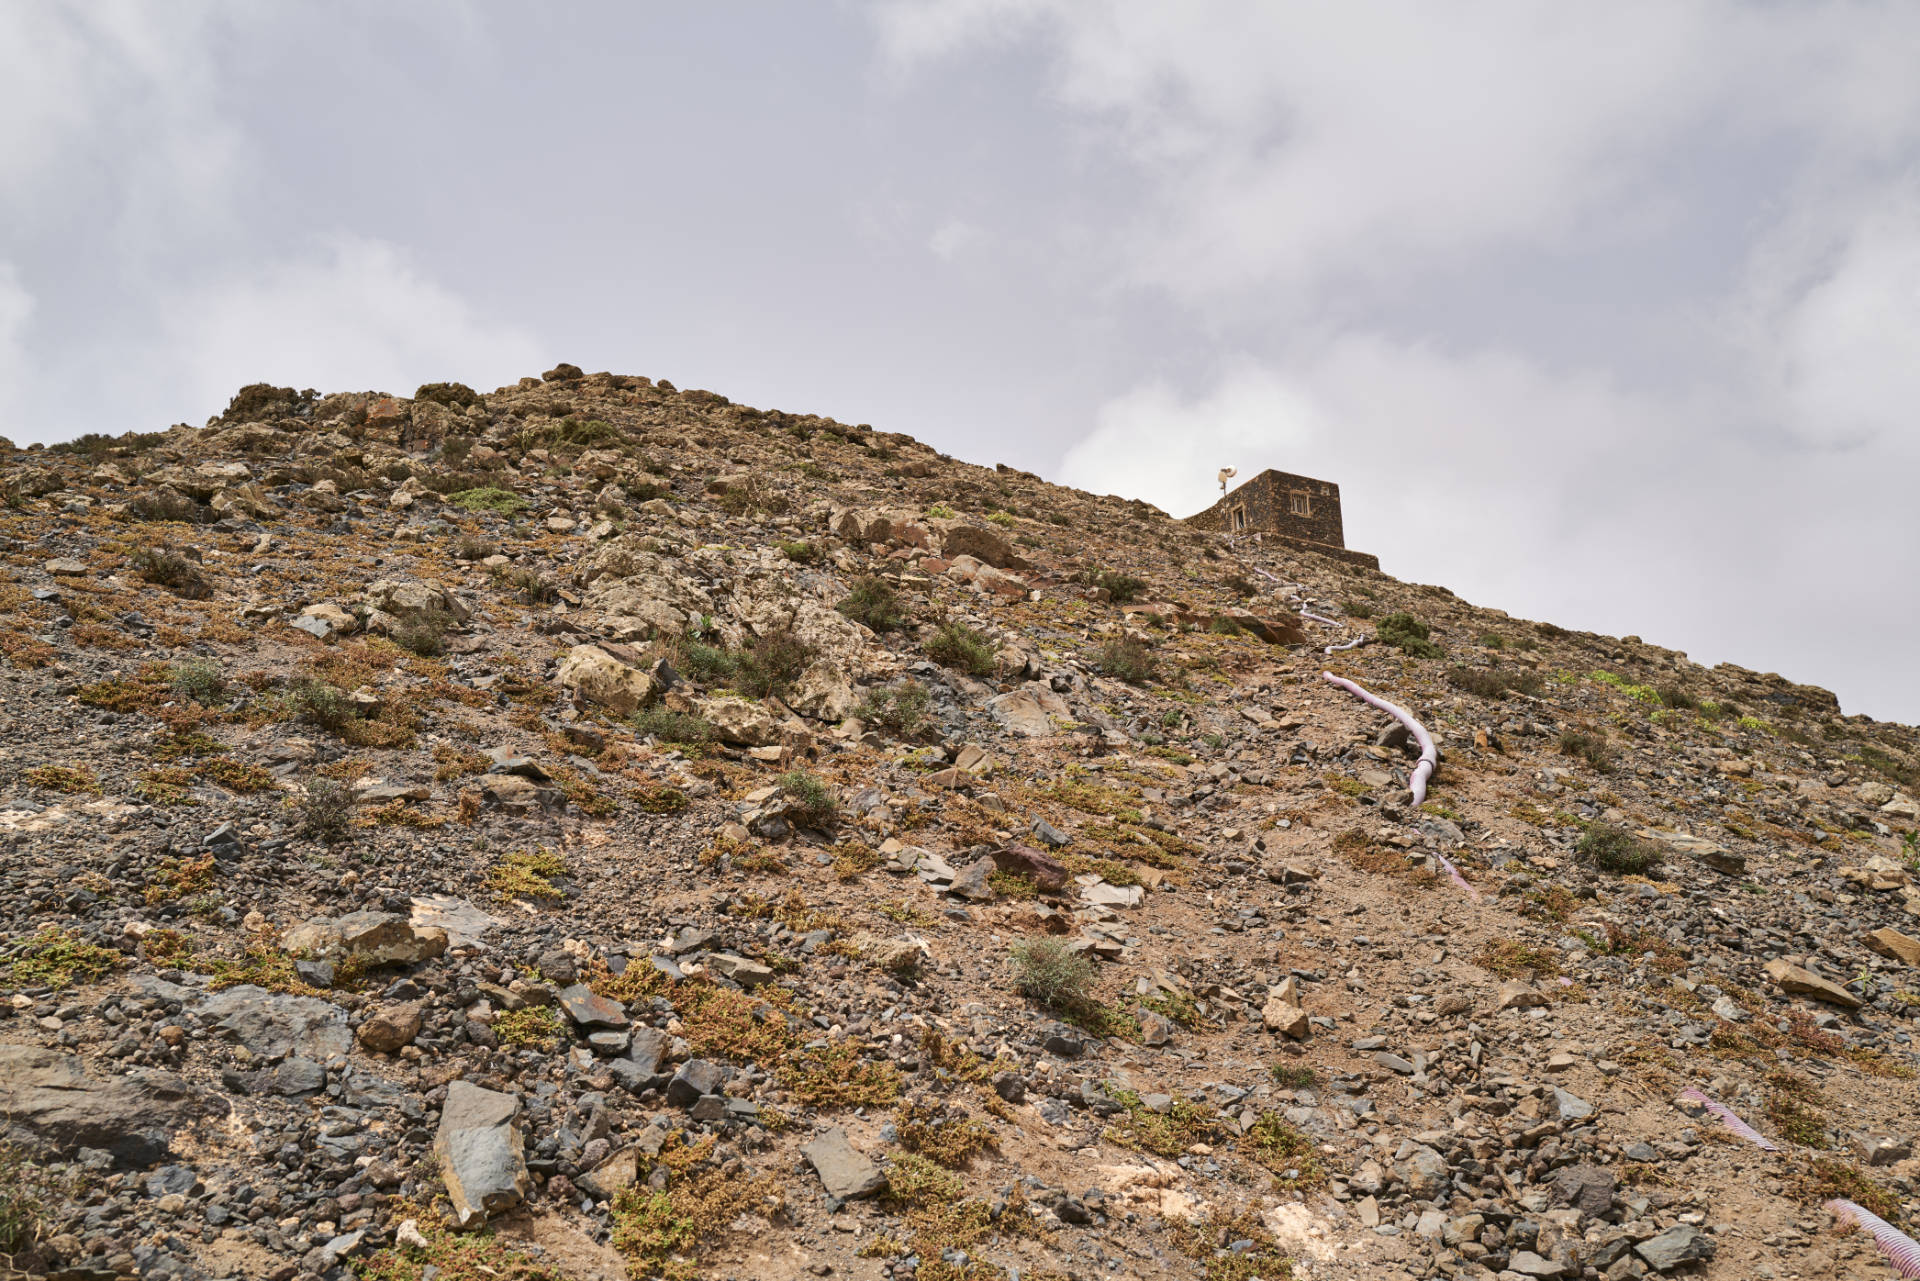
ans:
(1429, 755)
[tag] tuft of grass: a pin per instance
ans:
(1407, 634)
(172, 571)
(1127, 659)
(957, 645)
(916, 1181)
(875, 605)
(900, 710)
(535, 1028)
(1510, 958)
(70, 779)
(1616, 850)
(1052, 973)
(326, 812)
(1493, 682)
(1166, 1134)
(529, 875)
(488, 498)
(942, 1134)
(55, 957)
(1292, 1156)
(801, 553)
(810, 801)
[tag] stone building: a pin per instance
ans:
(1278, 502)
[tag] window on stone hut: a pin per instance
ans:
(1238, 519)
(1299, 503)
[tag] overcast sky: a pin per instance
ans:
(1603, 314)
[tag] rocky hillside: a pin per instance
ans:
(597, 830)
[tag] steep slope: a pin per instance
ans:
(595, 829)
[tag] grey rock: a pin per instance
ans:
(1678, 1245)
(1048, 833)
(741, 970)
(844, 1173)
(462, 922)
(47, 1100)
(970, 882)
(1571, 1107)
(612, 1176)
(1425, 1173)
(1586, 1188)
(695, 1078)
(479, 1150)
(272, 1024)
(1156, 1028)
(589, 1009)
(709, 1107)
(374, 938)
(1010, 1086)
(1529, 1264)
(1062, 1040)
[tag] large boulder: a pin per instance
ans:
(480, 1151)
(958, 538)
(742, 723)
(597, 676)
(412, 601)
(48, 1101)
(639, 592)
(374, 938)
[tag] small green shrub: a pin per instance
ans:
(1591, 748)
(1407, 634)
(874, 604)
(1052, 973)
(771, 663)
(424, 634)
(810, 801)
(901, 709)
(1675, 696)
(1125, 659)
(172, 571)
(800, 553)
(1616, 850)
(680, 728)
(325, 705)
(1493, 682)
(326, 812)
(1357, 608)
(957, 645)
(706, 664)
(168, 504)
(1121, 588)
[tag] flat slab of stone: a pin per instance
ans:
(273, 1024)
(48, 1101)
(464, 923)
(589, 1009)
(1804, 982)
(479, 1148)
(844, 1173)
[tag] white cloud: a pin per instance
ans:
(355, 313)
(16, 309)
(1298, 147)
(952, 238)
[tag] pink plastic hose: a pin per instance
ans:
(1316, 618)
(1429, 755)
